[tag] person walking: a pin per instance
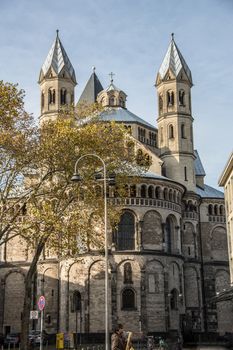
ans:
(117, 340)
(162, 344)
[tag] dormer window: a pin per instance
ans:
(121, 102)
(112, 101)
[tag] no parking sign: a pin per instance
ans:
(41, 303)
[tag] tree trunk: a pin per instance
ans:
(28, 295)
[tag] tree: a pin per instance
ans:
(54, 213)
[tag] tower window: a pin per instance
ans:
(63, 96)
(160, 103)
(181, 97)
(182, 131)
(52, 96)
(185, 174)
(171, 131)
(170, 98)
(42, 100)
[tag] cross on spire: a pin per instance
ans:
(111, 75)
(172, 35)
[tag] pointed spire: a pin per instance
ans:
(92, 88)
(174, 61)
(57, 59)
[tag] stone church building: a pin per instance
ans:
(169, 255)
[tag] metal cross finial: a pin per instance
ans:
(111, 75)
(172, 35)
(93, 69)
(57, 32)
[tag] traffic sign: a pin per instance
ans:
(34, 315)
(41, 303)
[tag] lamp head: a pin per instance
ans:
(76, 177)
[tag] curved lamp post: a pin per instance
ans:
(77, 178)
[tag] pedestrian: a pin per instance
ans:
(162, 344)
(117, 339)
(179, 343)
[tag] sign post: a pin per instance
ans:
(41, 305)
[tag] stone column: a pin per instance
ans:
(166, 300)
(143, 315)
(114, 297)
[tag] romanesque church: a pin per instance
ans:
(169, 255)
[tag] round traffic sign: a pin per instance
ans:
(41, 302)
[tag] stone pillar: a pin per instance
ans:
(114, 297)
(166, 300)
(163, 224)
(143, 315)
(139, 235)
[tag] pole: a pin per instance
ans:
(41, 329)
(106, 264)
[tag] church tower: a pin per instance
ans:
(175, 121)
(57, 82)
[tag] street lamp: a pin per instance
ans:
(77, 178)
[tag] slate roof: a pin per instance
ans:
(57, 58)
(209, 192)
(123, 115)
(198, 167)
(174, 61)
(91, 90)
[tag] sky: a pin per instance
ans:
(130, 38)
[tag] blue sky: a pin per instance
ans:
(130, 38)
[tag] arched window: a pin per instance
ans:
(63, 96)
(133, 191)
(50, 96)
(170, 195)
(174, 299)
(112, 101)
(165, 193)
(169, 234)
(170, 98)
(128, 273)
(221, 210)
(181, 97)
(160, 103)
(126, 191)
(42, 100)
(143, 191)
(76, 304)
(210, 209)
(122, 103)
(185, 174)
(215, 209)
(128, 299)
(150, 192)
(182, 131)
(157, 192)
(171, 131)
(125, 235)
(54, 96)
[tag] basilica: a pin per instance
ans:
(168, 256)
